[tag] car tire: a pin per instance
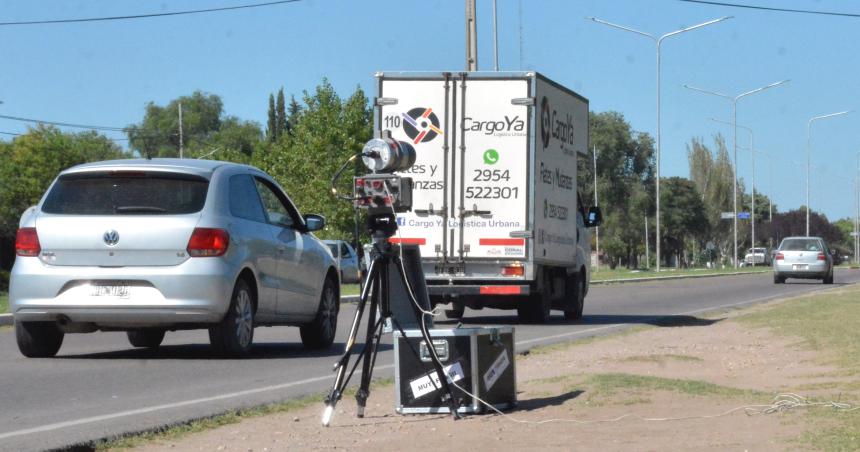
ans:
(778, 279)
(38, 339)
(234, 335)
(829, 278)
(456, 312)
(575, 296)
(145, 337)
(320, 333)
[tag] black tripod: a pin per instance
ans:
(377, 289)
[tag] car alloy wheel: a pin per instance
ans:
(244, 319)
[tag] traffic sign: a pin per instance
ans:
(727, 215)
(743, 215)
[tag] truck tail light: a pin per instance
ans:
(821, 257)
(513, 270)
(27, 242)
(208, 242)
(780, 256)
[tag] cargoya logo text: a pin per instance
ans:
(421, 125)
(554, 126)
(507, 126)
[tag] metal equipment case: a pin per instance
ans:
(480, 360)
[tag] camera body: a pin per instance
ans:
(382, 193)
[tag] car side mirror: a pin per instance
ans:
(594, 218)
(314, 222)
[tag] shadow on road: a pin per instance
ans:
(609, 319)
(542, 402)
(205, 352)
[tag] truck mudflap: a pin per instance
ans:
(479, 289)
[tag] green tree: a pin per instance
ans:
(281, 114)
(625, 184)
(712, 174)
(294, 112)
(30, 162)
(158, 134)
(326, 132)
(271, 125)
(206, 131)
(683, 217)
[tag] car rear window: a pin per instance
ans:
(800, 245)
(126, 193)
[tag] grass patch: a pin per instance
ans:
(4, 302)
(175, 432)
(612, 383)
(561, 346)
(349, 289)
(606, 274)
(825, 322)
(660, 359)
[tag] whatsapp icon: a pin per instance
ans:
(491, 156)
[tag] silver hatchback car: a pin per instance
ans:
(804, 258)
(149, 246)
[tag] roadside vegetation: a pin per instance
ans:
(827, 323)
(4, 302)
(605, 273)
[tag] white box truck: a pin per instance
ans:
(496, 210)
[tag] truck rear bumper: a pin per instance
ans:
(478, 290)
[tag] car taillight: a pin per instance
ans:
(513, 270)
(27, 242)
(821, 257)
(208, 242)
(780, 256)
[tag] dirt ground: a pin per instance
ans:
(591, 381)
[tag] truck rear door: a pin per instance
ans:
(471, 172)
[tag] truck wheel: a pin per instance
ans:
(574, 294)
(38, 339)
(456, 312)
(534, 309)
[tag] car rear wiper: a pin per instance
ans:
(138, 209)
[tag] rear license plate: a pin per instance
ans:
(799, 266)
(117, 291)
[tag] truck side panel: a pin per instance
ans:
(562, 134)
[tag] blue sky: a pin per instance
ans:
(104, 73)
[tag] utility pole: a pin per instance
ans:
(471, 37)
(597, 229)
(647, 254)
(495, 38)
(180, 130)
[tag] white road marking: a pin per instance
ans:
(167, 406)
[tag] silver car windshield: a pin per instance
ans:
(127, 193)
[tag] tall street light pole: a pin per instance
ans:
(808, 130)
(752, 153)
(734, 101)
(597, 229)
(658, 40)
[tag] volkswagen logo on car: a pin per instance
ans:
(111, 237)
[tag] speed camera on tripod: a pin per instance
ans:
(383, 190)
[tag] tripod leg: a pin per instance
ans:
(369, 347)
(341, 366)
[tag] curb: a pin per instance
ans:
(6, 319)
(666, 278)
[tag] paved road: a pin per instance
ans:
(98, 386)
